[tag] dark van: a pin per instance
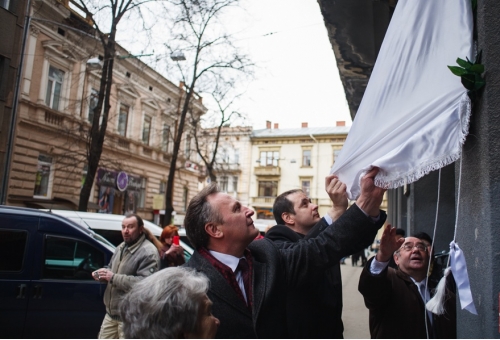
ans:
(46, 286)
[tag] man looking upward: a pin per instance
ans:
(396, 298)
(249, 280)
(314, 310)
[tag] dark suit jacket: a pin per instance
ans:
(397, 309)
(314, 309)
(275, 270)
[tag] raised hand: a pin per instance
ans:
(371, 196)
(337, 192)
(389, 243)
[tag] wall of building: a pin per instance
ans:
(479, 217)
(60, 133)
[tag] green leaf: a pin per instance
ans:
(458, 71)
(465, 64)
(468, 81)
(477, 68)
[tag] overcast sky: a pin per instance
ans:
(297, 80)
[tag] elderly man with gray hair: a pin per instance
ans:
(170, 304)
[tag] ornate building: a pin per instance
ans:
(58, 94)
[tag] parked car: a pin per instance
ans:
(110, 226)
(46, 285)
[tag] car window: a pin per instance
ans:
(70, 259)
(12, 249)
(113, 236)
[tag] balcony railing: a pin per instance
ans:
(267, 201)
(267, 171)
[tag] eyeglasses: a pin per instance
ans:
(409, 246)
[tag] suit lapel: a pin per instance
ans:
(259, 286)
(218, 285)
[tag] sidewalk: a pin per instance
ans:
(355, 314)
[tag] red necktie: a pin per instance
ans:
(245, 274)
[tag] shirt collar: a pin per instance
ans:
(229, 260)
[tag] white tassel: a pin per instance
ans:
(436, 304)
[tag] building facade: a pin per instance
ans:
(285, 159)
(232, 160)
(58, 94)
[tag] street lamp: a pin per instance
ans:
(177, 56)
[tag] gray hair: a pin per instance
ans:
(200, 212)
(164, 305)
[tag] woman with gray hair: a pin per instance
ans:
(169, 304)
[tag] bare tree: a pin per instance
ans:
(207, 140)
(112, 12)
(211, 55)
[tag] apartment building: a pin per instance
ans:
(232, 162)
(58, 94)
(285, 159)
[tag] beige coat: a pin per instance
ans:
(129, 265)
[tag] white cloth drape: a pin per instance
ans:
(414, 115)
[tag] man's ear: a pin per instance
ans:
(213, 230)
(288, 218)
(396, 258)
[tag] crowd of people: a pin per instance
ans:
(285, 285)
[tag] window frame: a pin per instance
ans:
(50, 181)
(50, 89)
(119, 122)
(147, 123)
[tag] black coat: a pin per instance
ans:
(397, 310)
(276, 270)
(314, 309)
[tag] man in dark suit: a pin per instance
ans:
(314, 309)
(396, 298)
(249, 280)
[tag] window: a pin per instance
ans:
(235, 183)
(93, 99)
(306, 187)
(146, 130)
(236, 156)
(224, 155)
(306, 157)
(185, 198)
(69, 259)
(163, 187)
(44, 176)
(142, 194)
(12, 246)
(54, 87)
(165, 136)
(223, 183)
(269, 158)
(122, 120)
(268, 188)
(335, 154)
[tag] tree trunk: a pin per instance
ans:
(169, 195)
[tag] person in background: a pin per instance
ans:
(396, 298)
(134, 259)
(172, 304)
(171, 255)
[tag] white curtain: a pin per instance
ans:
(414, 114)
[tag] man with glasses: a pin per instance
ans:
(396, 297)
